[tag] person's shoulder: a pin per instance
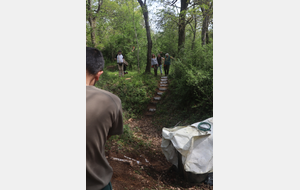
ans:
(102, 94)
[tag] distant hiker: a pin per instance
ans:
(162, 59)
(120, 62)
(159, 63)
(124, 65)
(154, 64)
(103, 119)
(167, 63)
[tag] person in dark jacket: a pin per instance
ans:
(167, 63)
(159, 63)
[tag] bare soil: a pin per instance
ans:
(154, 171)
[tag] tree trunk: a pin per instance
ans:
(182, 24)
(92, 22)
(137, 42)
(112, 53)
(206, 15)
(207, 37)
(194, 33)
(145, 13)
(204, 28)
(148, 67)
(92, 19)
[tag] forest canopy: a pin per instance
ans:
(139, 28)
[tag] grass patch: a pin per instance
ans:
(135, 93)
(128, 142)
(170, 111)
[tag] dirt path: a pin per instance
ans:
(148, 167)
(162, 87)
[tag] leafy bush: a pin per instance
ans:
(135, 93)
(192, 79)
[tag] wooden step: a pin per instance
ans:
(156, 98)
(163, 79)
(160, 93)
(163, 82)
(151, 108)
(162, 89)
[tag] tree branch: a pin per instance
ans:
(173, 2)
(175, 6)
(189, 20)
(141, 3)
(191, 27)
(172, 18)
(99, 5)
(174, 21)
(89, 5)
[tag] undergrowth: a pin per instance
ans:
(127, 142)
(135, 91)
(190, 93)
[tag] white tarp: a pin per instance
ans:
(195, 146)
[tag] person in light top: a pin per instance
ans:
(120, 61)
(154, 64)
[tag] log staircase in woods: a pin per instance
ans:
(162, 87)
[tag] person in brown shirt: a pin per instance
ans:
(103, 119)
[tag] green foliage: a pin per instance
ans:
(127, 139)
(192, 79)
(191, 74)
(134, 93)
(115, 31)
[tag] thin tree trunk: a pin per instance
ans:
(207, 37)
(145, 13)
(92, 19)
(92, 22)
(206, 15)
(112, 53)
(194, 32)
(137, 42)
(204, 26)
(182, 24)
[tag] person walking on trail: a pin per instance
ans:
(124, 65)
(159, 63)
(120, 62)
(154, 64)
(103, 119)
(167, 64)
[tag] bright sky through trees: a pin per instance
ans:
(154, 7)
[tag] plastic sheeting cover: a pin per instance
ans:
(195, 146)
